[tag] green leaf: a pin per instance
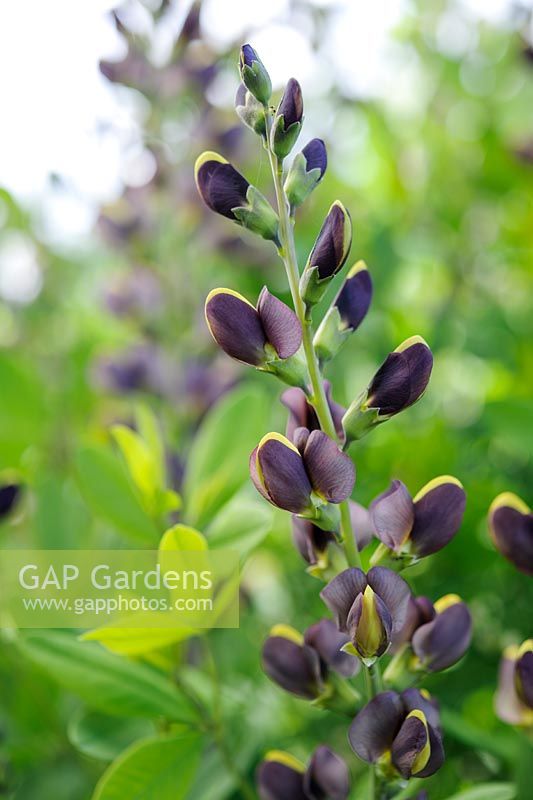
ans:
(23, 417)
(103, 737)
(182, 537)
(241, 524)
(108, 491)
(105, 681)
(487, 791)
(218, 461)
(140, 462)
(125, 639)
(160, 768)
(150, 432)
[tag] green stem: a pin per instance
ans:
(287, 253)
(373, 687)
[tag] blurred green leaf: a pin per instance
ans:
(218, 461)
(23, 420)
(127, 640)
(487, 791)
(103, 737)
(241, 524)
(161, 768)
(104, 681)
(107, 489)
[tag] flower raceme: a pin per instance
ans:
(301, 664)
(369, 608)
(346, 313)
(410, 529)
(282, 777)
(303, 477)
(511, 528)
(266, 336)
(399, 382)
(227, 192)
(306, 172)
(328, 255)
(514, 698)
(400, 733)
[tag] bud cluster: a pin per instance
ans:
(309, 474)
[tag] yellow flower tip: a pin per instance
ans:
(359, 266)
(446, 601)
(208, 155)
(423, 757)
(410, 342)
(511, 652)
(232, 292)
(281, 757)
(425, 694)
(525, 647)
(434, 483)
(509, 500)
(287, 632)
(277, 437)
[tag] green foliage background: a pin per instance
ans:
(441, 201)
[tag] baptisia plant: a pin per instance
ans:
(308, 473)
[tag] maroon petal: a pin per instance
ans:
(512, 532)
(355, 629)
(296, 668)
(373, 730)
(402, 378)
(310, 540)
(332, 245)
(280, 323)
(393, 515)
(327, 776)
(278, 781)
(236, 326)
(222, 188)
(324, 637)
(355, 296)
(394, 592)
(283, 473)
(438, 515)
(331, 471)
(254, 474)
(443, 641)
(301, 413)
(291, 106)
(408, 744)
(341, 592)
(361, 524)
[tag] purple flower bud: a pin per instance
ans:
(288, 120)
(511, 528)
(251, 112)
(316, 156)
(306, 172)
(333, 243)
(419, 527)
(292, 664)
(370, 608)
(353, 300)
(9, 497)
(396, 729)
(328, 642)
(247, 333)
(441, 642)
(402, 378)
(287, 476)
(514, 698)
(282, 777)
(254, 75)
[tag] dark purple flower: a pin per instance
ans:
(420, 611)
(511, 528)
(246, 333)
(443, 640)
(316, 156)
(282, 777)
(328, 641)
(355, 296)
(402, 730)
(254, 75)
(514, 698)
(306, 172)
(402, 378)
(370, 608)
(221, 187)
(312, 542)
(303, 415)
(333, 243)
(9, 497)
(286, 474)
(416, 528)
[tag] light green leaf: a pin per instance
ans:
(140, 462)
(241, 524)
(182, 537)
(105, 681)
(487, 791)
(107, 490)
(125, 639)
(218, 461)
(103, 737)
(160, 768)
(150, 432)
